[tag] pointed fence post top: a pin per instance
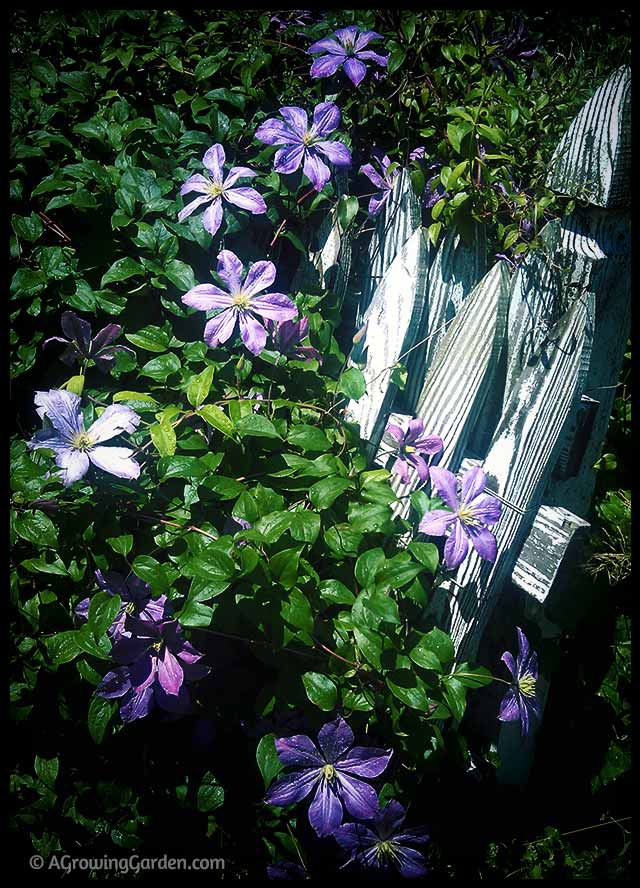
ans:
(593, 159)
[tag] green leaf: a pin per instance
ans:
(308, 437)
(63, 647)
(216, 418)
(121, 270)
(164, 437)
(136, 400)
(272, 526)
(256, 426)
(397, 574)
(439, 643)
(161, 367)
(199, 387)
(427, 554)
(407, 687)
(47, 770)
(267, 759)
(152, 572)
(370, 643)
(320, 690)
(396, 59)
(296, 610)
(180, 274)
(37, 528)
(152, 339)
(336, 592)
(368, 565)
(423, 656)
(102, 612)
(369, 517)
(472, 678)
(210, 793)
(305, 526)
(100, 712)
(455, 696)
(372, 608)
(324, 493)
(352, 383)
(347, 210)
(121, 544)
(492, 133)
(284, 567)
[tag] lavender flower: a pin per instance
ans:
(241, 303)
(75, 447)
(386, 846)
(384, 180)
(331, 772)
(302, 144)
(287, 336)
(418, 153)
(81, 347)
(155, 663)
(434, 189)
(300, 17)
(474, 509)
(346, 50)
(520, 701)
(214, 190)
(136, 599)
(409, 445)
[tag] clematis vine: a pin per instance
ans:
(346, 49)
(333, 772)
(214, 190)
(410, 445)
(302, 144)
(155, 664)
(384, 845)
(81, 347)
(469, 513)
(520, 703)
(384, 179)
(287, 336)
(136, 599)
(75, 447)
(241, 303)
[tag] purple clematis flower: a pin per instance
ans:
(409, 446)
(474, 509)
(136, 599)
(241, 303)
(214, 190)
(384, 180)
(434, 189)
(287, 336)
(304, 145)
(333, 772)
(81, 347)
(520, 701)
(75, 447)
(418, 153)
(285, 869)
(386, 845)
(155, 663)
(346, 49)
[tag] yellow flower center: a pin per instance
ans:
(308, 138)
(129, 608)
(527, 685)
(83, 442)
(157, 646)
(409, 449)
(467, 515)
(241, 299)
(328, 772)
(215, 189)
(386, 849)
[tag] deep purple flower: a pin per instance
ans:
(156, 662)
(511, 46)
(346, 50)
(214, 190)
(287, 336)
(385, 180)
(288, 17)
(285, 869)
(410, 444)
(418, 153)
(434, 190)
(333, 772)
(386, 845)
(241, 303)
(520, 701)
(75, 447)
(233, 525)
(304, 145)
(136, 599)
(80, 345)
(474, 509)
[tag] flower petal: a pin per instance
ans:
(376, 202)
(170, 673)
(411, 863)
(115, 460)
(355, 70)
(507, 658)
(316, 171)
(77, 330)
(212, 216)
(473, 482)
(193, 205)
(287, 160)
(296, 119)
(373, 175)
(347, 35)
(400, 469)
(115, 420)
(364, 38)
(274, 306)
(325, 811)
(275, 132)
(419, 465)
(213, 161)
(436, 522)
(143, 672)
(390, 818)
(445, 484)
(509, 708)
(105, 337)
(137, 705)
(372, 56)
(456, 547)
(337, 153)
(196, 183)
(220, 328)
(327, 44)
(334, 739)
(207, 297)
(292, 788)
(252, 333)
(360, 799)
(74, 465)
(326, 118)
(247, 199)
(114, 684)
(414, 430)
(486, 508)
(230, 269)
(395, 432)
(236, 173)
(429, 444)
(364, 761)
(483, 541)
(355, 837)
(299, 751)
(62, 409)
(326, 65)
(49, 438)
(260, 276)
